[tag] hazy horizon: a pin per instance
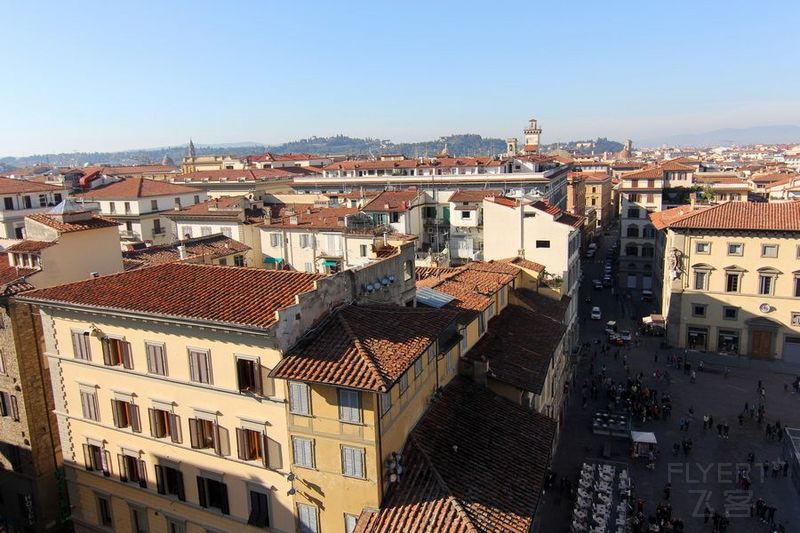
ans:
(97, 77)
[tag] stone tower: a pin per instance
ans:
(511, 146)
(532, 133)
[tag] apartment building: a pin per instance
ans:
(22, 198)
(465, 214)
(140, 206)
(598, 196)
(723, 186)
(730, 279)
(195, 163)
(65, 244)
(404, 212)
(351, 407)
(576, 194)
(325, 240)
(640, 194)
(234, 217)
(168, 416)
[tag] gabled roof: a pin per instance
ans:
(364, 347)
(12, 279)
(559, 215)
(392, 201)
(240, 296)
(210, 246)
(433, 272)
(28, 246)
(760, 216)
(473, 195)
(519, 347)
(133, 188)
(459, 474)
(62, 226)
(524, 263)
(647, 173)
(246, 175)
(17, 186)
(555, 309)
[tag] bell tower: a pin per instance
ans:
(511, 146)
(532, 133)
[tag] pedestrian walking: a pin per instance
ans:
(719, 430)
(693, 377)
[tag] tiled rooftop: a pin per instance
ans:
(17, 186)
(519, 347)
(782, 216)
(364, 347)
(523, 263)
(226, 295)
(11, 278)
(132, 188)
(28, 246)
(539, 303)
(61, 226)
(460, 472)
(211, 246)
(473, 195)
(392, 201)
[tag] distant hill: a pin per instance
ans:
(780, 134)
(469, 144)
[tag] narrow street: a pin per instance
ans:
(708, 474)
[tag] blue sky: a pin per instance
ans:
(113, 75)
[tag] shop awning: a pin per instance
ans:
(329, 263)
(273, 260)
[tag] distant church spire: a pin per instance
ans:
(192, 152)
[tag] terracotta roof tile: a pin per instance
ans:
(472, 285)
(473, 195)
(558, 215)
(16, 186)
(784, 216)
(423, 273)
(211, 246)
(131, 188)
(523, 263)
(459, 476)
(365, 347)
(68, 227)
(555, 309)
(647, 173)
(246, 175)
(392, 201)
(12, 278)
(29, 246)
(226, 295)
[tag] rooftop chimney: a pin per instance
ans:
(182, 252)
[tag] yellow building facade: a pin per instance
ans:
(731, 282)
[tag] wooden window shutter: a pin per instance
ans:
(194, 432)
(106, 343)
(224, 507)
(179, 483)
(274, 454)
(127, 357)
(87, 457)
(264, 449)
(135, 420)
(142, 471)
(257, 381)
(155, 429)
(115, 412)
(123, 471)
(222, 444)
(160, 484)
(201, 492)
(267, 383)
(77, 345)
(105, 462)
(175, 431)
(241, 443)
(193, 371)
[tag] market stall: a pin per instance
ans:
(643, 443)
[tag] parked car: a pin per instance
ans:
(607, 281)
(589, 254)
(611, 327)
(597, 284)
(596, 314)
(616, 340)
(625, 335)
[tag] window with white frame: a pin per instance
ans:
(251, 444)
(303, 452)
(165, 423)
(132, 469)
(353, 462)
(200, 366)
(80, 345)
(701, 280)
(702, 247)
(769, 250)
(206, 433)
(766, 284)
(156, 358)
(735, 248)
(227, 232)
(89, 405)
(304, 240)
(349, 406)
(205, 231)
(299, 401)
(307, 518)
(126, 414)
(117, 352)
(259, 507)
(274, 239)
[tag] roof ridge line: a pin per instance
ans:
(458, 507)
(365, 354)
